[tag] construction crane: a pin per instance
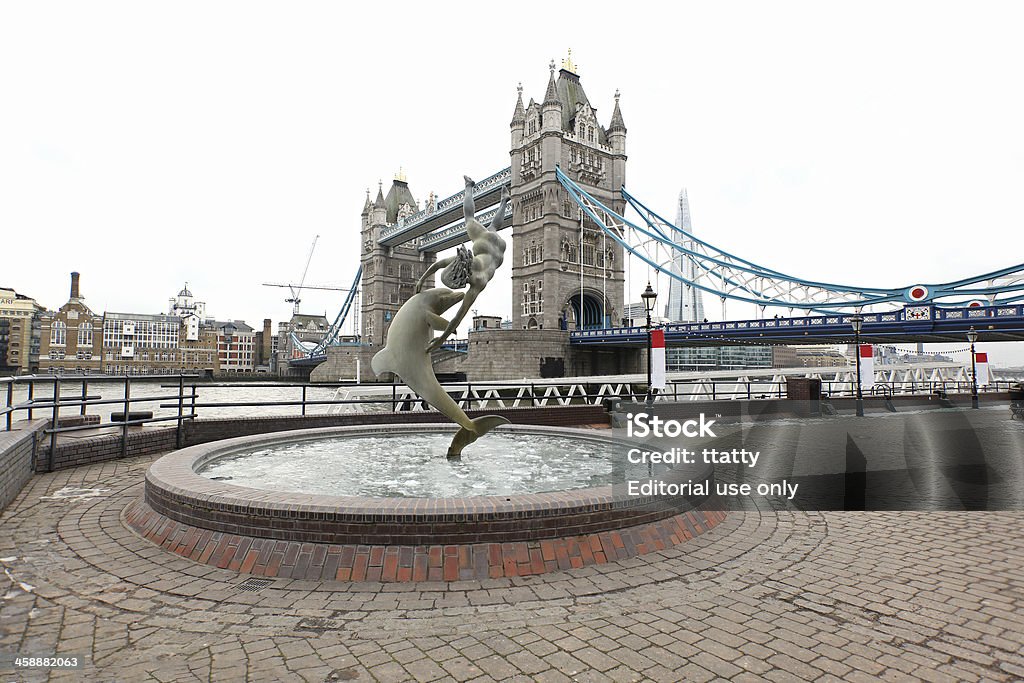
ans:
(296, 290)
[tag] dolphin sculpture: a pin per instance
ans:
(405, 355)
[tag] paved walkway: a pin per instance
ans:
(764, 596)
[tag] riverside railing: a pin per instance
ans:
(398, 397)
(81, 399)
(185, 401)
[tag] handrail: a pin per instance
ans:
(185, 401)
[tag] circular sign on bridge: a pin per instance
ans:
(917, 293)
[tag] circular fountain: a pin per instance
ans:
(337, 503)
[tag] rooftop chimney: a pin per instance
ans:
(74, 286)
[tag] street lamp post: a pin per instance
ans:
(857, 320)
(648, 297)
(972, 336)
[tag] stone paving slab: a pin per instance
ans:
(766, 595)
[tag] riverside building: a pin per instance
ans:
(236, 344)
(71, 337)
(140, 344)
(19, 332)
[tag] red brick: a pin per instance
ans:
(536, 561)
(390, 570)
(249, 561)
(419, 568)
(451, 568)
(275, 564)
(359, 566)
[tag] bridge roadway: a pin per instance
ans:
(486, 194)
(920, 323)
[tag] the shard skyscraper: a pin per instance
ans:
(685, 303)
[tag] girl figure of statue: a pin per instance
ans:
(475, 269)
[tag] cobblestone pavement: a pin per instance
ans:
(764, 596)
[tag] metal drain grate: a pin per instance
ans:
(254, 584)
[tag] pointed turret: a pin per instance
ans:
(617, 124)
(551, 96)
(518, 124)
(519, 115)
(368, 205)
(551, 109)
(616, 132)
(379, 213)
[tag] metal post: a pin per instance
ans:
(127, 410)
(54, 420)
(192, 409)
(31, 397)
(394, 397)
(10, 402)
(533, 396)
(856, 343)
(85, 393)
(748, 391)
(972, 336)
(179, 440)
(974, 380)
(303, 400)
(649, 400)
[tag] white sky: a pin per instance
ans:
(148, 144)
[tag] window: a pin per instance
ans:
(58, 333)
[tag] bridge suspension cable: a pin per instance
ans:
(731, 277)
(319, 349)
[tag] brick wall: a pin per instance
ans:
(16, 448)
(84, 451)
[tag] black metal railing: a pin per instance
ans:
(81, 400)
(185, 402)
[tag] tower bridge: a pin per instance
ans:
(570, 242)
(436, 215)
(912, 324)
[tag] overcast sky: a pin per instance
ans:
(147, 144)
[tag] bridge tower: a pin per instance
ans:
(389, 273)
(565, 274)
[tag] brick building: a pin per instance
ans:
(71, 337)
(236, 346)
